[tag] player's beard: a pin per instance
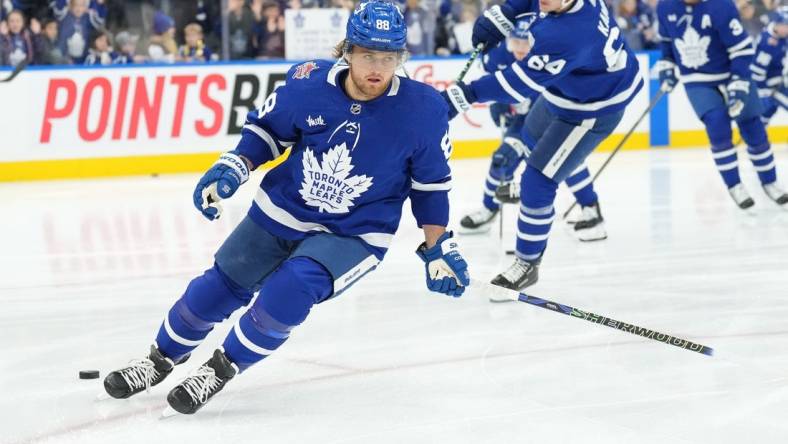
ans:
(370, 85)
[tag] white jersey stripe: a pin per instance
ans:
(507, 87)
(263, 134)
(261, 199)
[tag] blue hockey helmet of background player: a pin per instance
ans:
(377, 25)
(522, 28)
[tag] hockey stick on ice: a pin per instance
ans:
(505, 293)
(651, 106)
(19, 68)
(470, 61)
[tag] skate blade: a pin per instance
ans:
(484, 229)
(168, 412)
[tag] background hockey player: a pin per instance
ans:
(499, 186)
(586, 76)
(770, 67)
(706, 41)
(363, 140)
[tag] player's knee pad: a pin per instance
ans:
(753, 132)
(213, 297)
(718, 127)
(536, 189)
(289, 293)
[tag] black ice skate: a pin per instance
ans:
(741, 196)
(591, 225)
(141, 374)
(477, 222)
(775, 193)
(508, 193)
(519, 275)
(200, 386)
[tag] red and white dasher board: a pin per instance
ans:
(135, 111)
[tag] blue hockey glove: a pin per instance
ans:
(667, 75)
(447, 271)
(502, 113)
(459, 97)
(738, 90)
(220, 182)
(493, 26)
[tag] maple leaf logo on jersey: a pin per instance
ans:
(693, 48)
(303, 70)
(328, 184)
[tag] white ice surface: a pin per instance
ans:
(88, 269)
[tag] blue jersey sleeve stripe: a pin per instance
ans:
(529, 82)
(741, 45)
(418, 186)
(263, 134)
(758, 70)
(744, 52)
(507, 87)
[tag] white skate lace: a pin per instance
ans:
(515, 271)
(201, 384)
(140, 373)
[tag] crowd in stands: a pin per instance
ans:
(102, 32)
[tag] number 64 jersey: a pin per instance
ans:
(352, 163)
(578, 62)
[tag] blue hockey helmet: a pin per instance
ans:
(522, 28)
(377, 25)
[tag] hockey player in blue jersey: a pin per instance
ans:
(499, 186)
(586, 76)
(362, 141)
(706, 41)
(770, 65)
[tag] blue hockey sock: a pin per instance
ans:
(208, 299)
(727, 163)
(537, 194)
(505, 161)
(754, 133)
(581, 185)
(763, 161)
(285, 300)
(718, 128)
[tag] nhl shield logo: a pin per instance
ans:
(355, 108)
(303, 70)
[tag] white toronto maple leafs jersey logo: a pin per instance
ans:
(693, 48)
(328, 184)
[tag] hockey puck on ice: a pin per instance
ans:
(509, 252)
(88, 374)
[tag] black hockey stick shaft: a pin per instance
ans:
(470, 61)
(654, 101)
(594, 318)
(19, 68)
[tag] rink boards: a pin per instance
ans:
(75, 122)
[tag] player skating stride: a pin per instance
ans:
(363, 140)
(705, 39)
(770, 65)
(499, 186)
(586, 76)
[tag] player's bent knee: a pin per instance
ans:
(290, 292)
(536, 189)
(718, 127)
(213, 297)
